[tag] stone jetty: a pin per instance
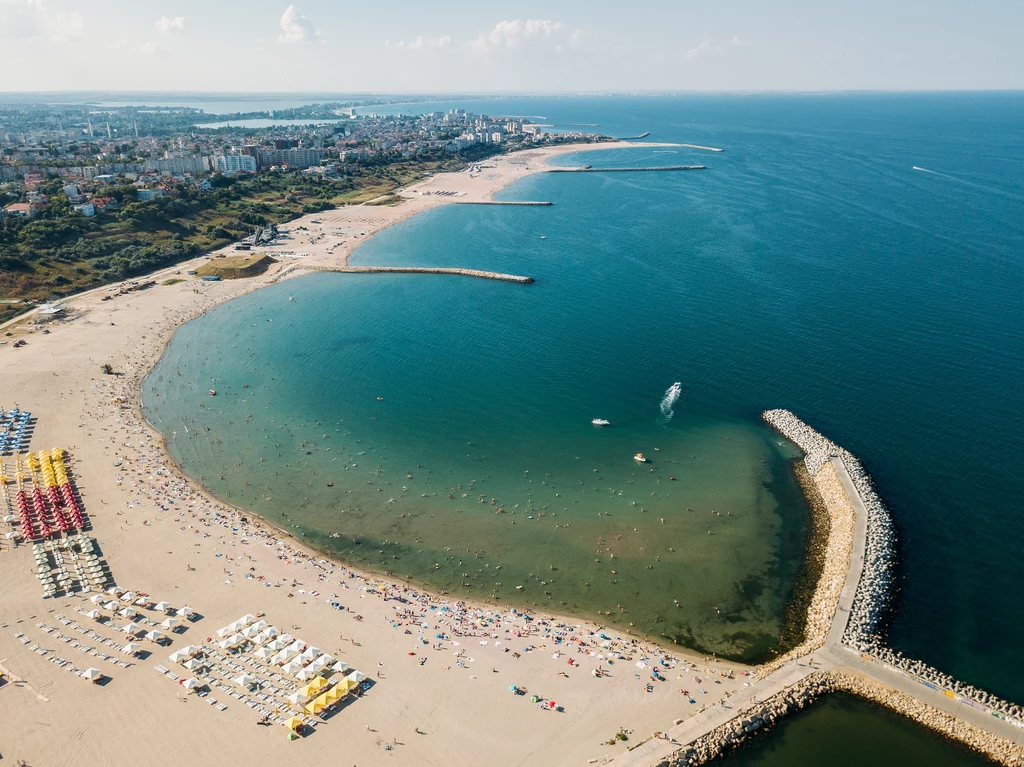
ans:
(533, 203)
(762, 716)
(842, 647)
(626, 170)
(418, 270)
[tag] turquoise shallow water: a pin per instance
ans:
(811, 267)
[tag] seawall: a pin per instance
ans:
(520, 279)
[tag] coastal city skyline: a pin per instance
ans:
(536, 47)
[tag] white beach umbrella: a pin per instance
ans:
(96, 599)
(129, 596)
(305, 674)
(295, 698)
(245, 680)
(178, 655)
(192, 663)
(169, 623)
(186, 611)
(357, 676)
(224, 631)
(262, 653)
(154, 636)
(94, 614)
(131, 648)
(326, 658)
(127, 612)
(308, 654)
(162, 607)
(191, 683)
(143, 601)
(292, 667)
(113, 590)
(112, 606)
(341, 666)
(92, 674)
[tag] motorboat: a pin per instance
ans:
(639, 458)
(601, 422)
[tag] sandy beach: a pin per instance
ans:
(440, 670)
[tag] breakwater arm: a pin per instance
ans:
(627, 170)
(501, 202)
(520, 279)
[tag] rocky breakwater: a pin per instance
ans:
(757, 717)
(522, 280)
(834, 552)
(871, 601)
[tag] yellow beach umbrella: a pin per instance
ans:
(345, 685)
(318, 682)
(309, 690)
(311, 707)
(293, 723)
(333, 694)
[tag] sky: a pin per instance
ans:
(459, 46)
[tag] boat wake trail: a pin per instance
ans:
(972, 184)
(671, 395)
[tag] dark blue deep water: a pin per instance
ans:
(811, 267)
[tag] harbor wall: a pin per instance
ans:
(627, 170)
(756, 717)
(872, 597)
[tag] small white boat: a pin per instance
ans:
(601, 422)
(543, 236)
(639, 458)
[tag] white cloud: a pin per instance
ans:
(296, 28)
(149, 49)
(426, 42)
(516, 32)
(709, 46)
(171, 25)
(33, 19)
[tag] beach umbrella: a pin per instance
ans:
(262, 653)
(304, 673)
(340, 666)
(295, 697)
(94, 614)
(131, 628)
(334, 694)
(169, 624)
(357, 676)
(179, 655)
(162, 607)
(221, 633)
(326, 658)
(111, 606)
(323, 701)
(244, 680)
(186, 611)
(191, 683)
(128, 597)
(308, 654)
(308, 690)
(143, 601)
(127, 612)
(293, 723)
(154, 636)
(346, 685)
(292, 666)
(92, 674)
(131, 648)
(96, 598)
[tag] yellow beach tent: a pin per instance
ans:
(293, 723)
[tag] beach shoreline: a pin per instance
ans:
(165, 535)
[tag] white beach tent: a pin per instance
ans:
(245, 680)
(154, 636)
(92, 674)
(169, 624)
(262, 653)
(357, 676)
(279, 642)
(292, 667)
(186, 611)
(305, 674)
(131, 648)
(112, 606)
(192, 663)
(129, 597)
(131, 628)
(341, 666)
(94, 614)
(162, 607)
(96, 599)
(179, 655)
(127, 612)
(191, 683)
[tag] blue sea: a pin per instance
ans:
(856, 258)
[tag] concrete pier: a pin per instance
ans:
(418, 270)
